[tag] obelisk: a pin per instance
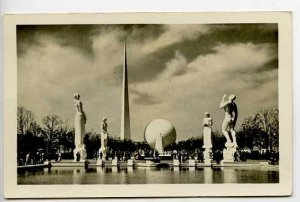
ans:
(125, 115)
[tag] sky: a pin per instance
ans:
(175, 72)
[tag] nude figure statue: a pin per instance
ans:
(231, 114)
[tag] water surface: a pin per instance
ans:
(141, 175)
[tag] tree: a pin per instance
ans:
(52, 129)
(28, 143)
(25, 121)
(248, 132)
(268, 121)
(218, 141)
(92, 144)
(260, 131)
(66, 137)
(67, 141)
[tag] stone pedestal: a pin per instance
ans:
(99, 162)
(228, 153)
(82, 152)
(114, 162)
(207, 156)
(129, 162)
(192, 163)
(175, 162)
(149, 163)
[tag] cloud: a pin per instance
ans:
(49, 74)
(176, 72)
(175, 34)
(186, 96)
(143, 98)
(176, 66)
(78, 37)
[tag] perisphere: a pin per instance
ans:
(159, 127)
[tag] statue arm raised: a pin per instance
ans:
(224, 102)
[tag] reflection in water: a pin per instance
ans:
(208, 175)
(192, 168)
(230, 175)
(147, 175)
(129, 169)
(218, 176)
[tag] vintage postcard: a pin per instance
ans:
(147, 105)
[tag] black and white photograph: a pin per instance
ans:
(150, 103)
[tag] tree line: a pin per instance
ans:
(259, 133)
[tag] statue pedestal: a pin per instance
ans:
(114, 162)
(99, 162)
(192, 163)
(175, 162)
(207, 156)
(82, 152)
(228, 153)
(129, 162)
(149, 163)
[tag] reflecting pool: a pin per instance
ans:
(146, 175)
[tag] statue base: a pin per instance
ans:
(176, 163)
(207, 156)
(130, 162)
(99, 162)
(192, 163)
(228, 152)
(82, 153)
(114, 162)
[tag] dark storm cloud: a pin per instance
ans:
(143, 98)
(272, 65)
(80, 37)
(228, 34)
(154, 63)
(76, 36)
(243, 33)
(141, 32)
(256, 80)
(149, 67)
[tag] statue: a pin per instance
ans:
(231, 114)
(80, 121)
(207, 130)
(103, 149)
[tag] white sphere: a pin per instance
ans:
(159, 127)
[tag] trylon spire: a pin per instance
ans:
(125, 115)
